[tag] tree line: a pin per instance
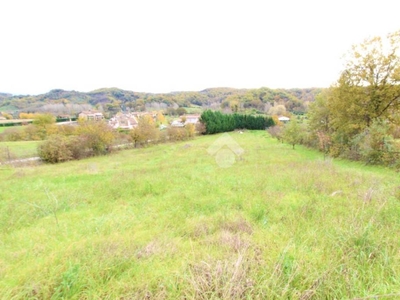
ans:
(94, 138)
(216, 122)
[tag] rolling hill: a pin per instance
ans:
(111, 100)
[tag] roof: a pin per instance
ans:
(124, 121)
(283, 118)
(191, 119)
(177, 123)
(89, 112)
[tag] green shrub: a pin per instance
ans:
(177, 134)
(14, 134)
(375, 145)
(56, 149)
(96, 137)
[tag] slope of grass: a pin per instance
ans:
(8, 108)
(167, 222)
(194, 109)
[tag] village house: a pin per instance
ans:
(90, 115)
(185, 120)
(124, 121)
(177, 123)
(283, 119)
(191, 119)
(140, 114)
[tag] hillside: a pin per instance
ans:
(167, 222)
(112, 100)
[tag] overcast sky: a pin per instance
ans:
(162, 46)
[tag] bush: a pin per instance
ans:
(14, 134)
(375, 145)
(56, 149)
(146, 132)
(276, 132)
(190, 130)
(96, 137)
(32, 133)
(177, 134)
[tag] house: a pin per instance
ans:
(185, 120)
(140, 114)
(283, 119)
(90, 115)
(124, 121)
(191, 119)
(177, 123)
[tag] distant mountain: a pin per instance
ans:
(112, 100)
(5, 95)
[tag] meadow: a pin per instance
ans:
(18, 150)
(4, 128)
(168, 222)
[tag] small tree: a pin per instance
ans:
(276, 132)
(146, 131)
(160, 118)
(45, 125)
(191, 130)
(293, 134)
(181, 111)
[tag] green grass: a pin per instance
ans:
(17, 150)
(3, 128)
(166, 222)
(8, 108)
(194, 109)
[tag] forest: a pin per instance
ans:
(113, 100)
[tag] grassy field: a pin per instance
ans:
(167, 222)
(3, 128)
(194, 109)
(17, 150)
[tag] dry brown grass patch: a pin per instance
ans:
(222, 279)
(237, 226)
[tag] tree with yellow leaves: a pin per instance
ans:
(160, 118)
(369, 87)
(145, 132)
